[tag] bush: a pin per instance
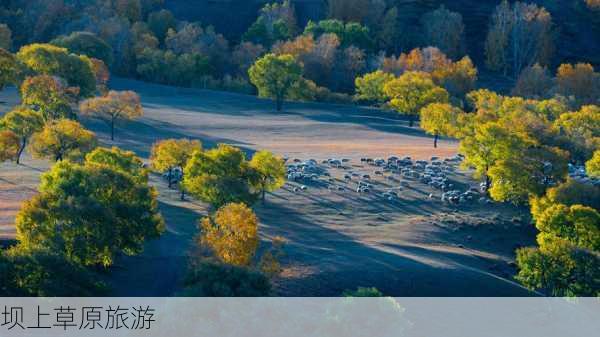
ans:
(42, 273)
(215, 279)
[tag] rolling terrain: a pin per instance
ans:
(336, 239)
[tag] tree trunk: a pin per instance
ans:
(21, 149)
(435, 140)
(169, 178)
(411, 121)
(182, 192)
(263, 196)
(279, 103)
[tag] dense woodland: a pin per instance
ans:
(525, 112)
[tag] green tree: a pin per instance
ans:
(91, 213)
(43, 273)
(86, 43)
(9, 69)
(349, 34)
(582, 129)
(119, 160)
(413, 91)
(46, 59)
(231, 234)
(62, 139)
(593, 165)
(270, 170)
(275, 75)
(578, 224)
(369, 87)
(559, 268)
(209, 278)
(440, 119)
(114, 106)
(220, 176)
(9, 145)
(44, 94)
(569, 193)
(169, 154)
(24, 123)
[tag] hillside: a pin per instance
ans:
(577, 29)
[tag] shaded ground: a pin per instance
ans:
(336, 240)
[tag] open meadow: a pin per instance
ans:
(337, 239)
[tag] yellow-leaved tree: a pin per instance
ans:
(62, 139)
(170, 154)
(413, 91)
(440, 119)
(270, 170)
(112, 107)
(232, 234)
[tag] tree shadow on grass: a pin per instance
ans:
(341, 262)
(161, 268)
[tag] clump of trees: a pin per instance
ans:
(46, 59)
(80, 213)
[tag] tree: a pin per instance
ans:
(444, 29)
(86, 43)
(559, 268)
(533, 82)
(62, 139)
(220, 176)
(582, 129)
(569, 193)
(244, 55)
(413, 91)
(439, 119)
(274, 76)
(120, 160)
(160, 22)
(349, 34)
(43, 273)
(45, 94)
(114, 106)
(276, 22)
(348, 10)
(580, 82)
(232, 234)
(46, 59)
(370, 86)
(578, 224)
(24, 123)
(519, 36)
(209, 278)
(9, 145)
(593, 165)
(270, 169)
(9, 69)
(79, 211)
(173, 153)
(5, 37)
